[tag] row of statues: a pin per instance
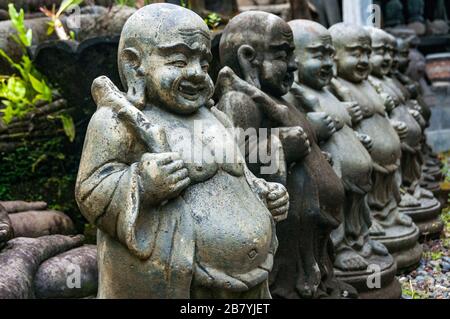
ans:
(188, 207)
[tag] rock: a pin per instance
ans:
(22, 206)
(40, 223)
(20, 260)
(52, 278)
(445, 266)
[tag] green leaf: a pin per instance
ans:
(66, 4)
(68, 126)
(40, 159)
(37, 85)
(51, 28)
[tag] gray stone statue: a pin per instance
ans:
(416, 202)
(431, 175)
(355, 250)
(391, 227)
(178, 212)
(257, 52)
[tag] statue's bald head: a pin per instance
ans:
(379, 37)
(344, 34)
(353, 48)
(157, 25)
(308, 33)
(163, 58)
(314, 52)
(254, 28)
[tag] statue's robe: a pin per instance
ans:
(160, 251)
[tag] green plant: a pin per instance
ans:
(19, 93)
(43, 170)
(67, 123)
(185, 4)
(213, 20)
(55, 25)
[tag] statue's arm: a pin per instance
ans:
(115, 181)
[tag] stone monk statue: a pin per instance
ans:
(178, 212)
(257, 52)
(349, 149)
(417, 202)
(389, 226)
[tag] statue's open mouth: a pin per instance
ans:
(325, 74)
(190, 91)
(362, 69)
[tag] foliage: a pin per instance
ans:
(44, 170)
(186, 4)
(414, 294)
(55, 24)
(67, 123)
(213, 20)
(23, 37)
(19, 93)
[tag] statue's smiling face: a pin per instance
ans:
(177, 72)
(353, 59)
(316, 60)
(381, 59)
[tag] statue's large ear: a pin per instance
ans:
(248, 64)
(134, 76)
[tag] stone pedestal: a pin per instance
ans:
(402, 243)
(426, 217)
(389, 286)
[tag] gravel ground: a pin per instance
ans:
(431, 280)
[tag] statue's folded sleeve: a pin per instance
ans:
(108, 186)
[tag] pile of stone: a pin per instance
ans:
(40, 255)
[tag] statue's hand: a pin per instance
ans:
(323, 124)
(389, 102)
(366, 140)
(416, 115)
(355, 112)
(164, 176)
(277, 201)
(295, 139)
(401, 128)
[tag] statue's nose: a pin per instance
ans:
(195, 73)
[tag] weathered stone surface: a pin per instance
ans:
(172, 223)
(349, 150)
(56, 276)
(392, 228)
(41, 223)
(256, 49)
(22, 206)
(20, 260)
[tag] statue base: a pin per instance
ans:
(403, 244)
(361, 279)
(426, 217)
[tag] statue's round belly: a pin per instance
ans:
(233, 228)
(386, 143)
(350, 157)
